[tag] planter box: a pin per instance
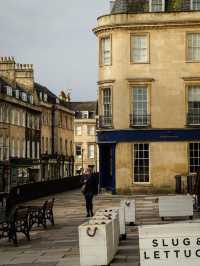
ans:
(121, 213)
(115, 226)
(129, 207)
(175, 206)
(170, 244)
(96, 243)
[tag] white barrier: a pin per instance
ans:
(115, 226)
(170, 244)
(96, 243)
(121, 213)
(175, 206)
(129, 207)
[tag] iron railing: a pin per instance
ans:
(104, 122)
(140, 120)
(193, 119)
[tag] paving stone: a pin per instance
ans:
(58, 245)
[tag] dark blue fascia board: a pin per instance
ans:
(153, 135)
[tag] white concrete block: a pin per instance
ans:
(129, 207)
(96, 243)
(121, 213)
(170, 244)
(175, 206)
(115, 226)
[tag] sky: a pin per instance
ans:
(56, 37)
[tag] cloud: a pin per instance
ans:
(56, 37)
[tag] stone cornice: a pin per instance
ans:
(191, 78)
(147, 26)
(106, 81)
(140, 80)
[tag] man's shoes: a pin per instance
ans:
(88, 215)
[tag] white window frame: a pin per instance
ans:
(17, 94)
(24, 96)
(103, 51)
(91, 130)
(192, 59)
(9, 90)
(135, 112)
(145, 60)
(80, 155)
(78, 130)
(151, 9)
(133, 162)
(192, 4)
(91, 153)
(194, 157)
(31, 98)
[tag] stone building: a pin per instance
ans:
(85, 147)
(149, 93)
(20, 128)
(36, 129)
(57, 135)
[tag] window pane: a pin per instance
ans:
(157, 5)
(194, 105)
(106, 51)
(141, 162)
(193, 40)
(194, 160)
(196, 4)
(139, 49)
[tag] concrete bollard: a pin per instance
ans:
(115, 226)
(121, 213)
(129, 207)
(96, 243)
(176, 206)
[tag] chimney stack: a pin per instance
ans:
(112, 5)
(25, 75)
(7, 68)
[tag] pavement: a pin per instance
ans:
(58, 245)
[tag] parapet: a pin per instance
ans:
(24, 67)
(6, 59)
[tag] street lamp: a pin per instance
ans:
(82, 153)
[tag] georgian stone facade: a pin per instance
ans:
(149, 94)
(36, 129)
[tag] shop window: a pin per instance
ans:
(141, 163)
(194, 157)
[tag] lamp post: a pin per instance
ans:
(82, 154)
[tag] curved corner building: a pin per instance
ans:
(149, 93)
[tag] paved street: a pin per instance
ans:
(58, 246)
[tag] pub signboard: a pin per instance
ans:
(170, 244)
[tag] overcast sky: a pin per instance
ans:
(56, 36)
